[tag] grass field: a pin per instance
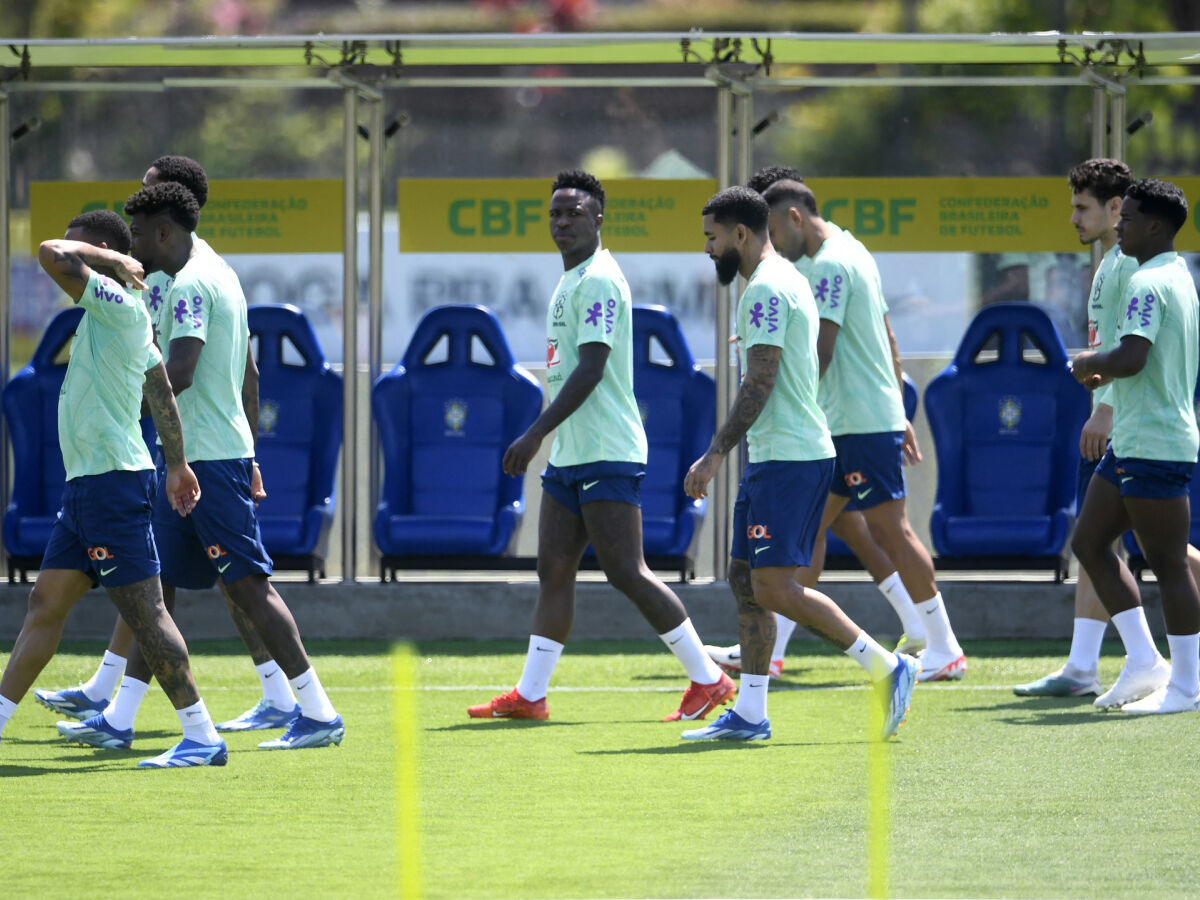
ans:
(983, 794)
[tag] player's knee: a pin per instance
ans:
(740, 583)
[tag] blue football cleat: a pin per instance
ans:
(96, 732)
(263, 716)
(902, 678)
(306, 732)
(188, 753)
(71, 702)
(730, 727)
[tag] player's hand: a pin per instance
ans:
(520, 454)
(183, 490)
(912, 451)
(702, 471)
(129, 271)
(1094, 437)
(1081, 367)
(257, 491)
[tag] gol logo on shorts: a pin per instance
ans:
(214, 551)
(854, 479)
(99, 554)
(757, 532)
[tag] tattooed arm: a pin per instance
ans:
(70, 264)
(762, 367)
(182, 488)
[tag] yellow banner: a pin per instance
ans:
(973, 215)
(509, 215)
(241, 215)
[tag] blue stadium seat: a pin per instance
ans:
(446, 413)
(299, 437)
(837, 554)
(31, 409)
(678, 406)
(1005, 417)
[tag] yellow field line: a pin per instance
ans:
(408, 829)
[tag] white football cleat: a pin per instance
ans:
(1165, 700)
(730, 659)
(942, 666)
(1134, 684)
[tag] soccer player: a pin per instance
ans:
(1098, 189)
(791, 462)
(208, 344)
(860, 393)
(1142, 480)
(849, 524)
(590, 488)
(278, 707)
(103, 534)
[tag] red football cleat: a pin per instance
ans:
(510, 706)
(698, 699)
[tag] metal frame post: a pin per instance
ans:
(350, 335)
(1116, 121)
(374, 294)
(1099, 149)
(722, 495)
(5, 298)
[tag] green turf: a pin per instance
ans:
(984, 794)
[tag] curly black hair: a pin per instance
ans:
(768, 175)
(739, 205)
(187, 172)
(104, 226)
(1160, 199)
(580, 181)
(168, 198)
(1103, 178)
(793, 193)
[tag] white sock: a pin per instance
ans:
(783, 633)
(275, 689)
(878, 662)
(1135, 635)
(314, 703)
(7, 708)
(937, 626)
(751, 703)
(104, 682)
(683, 641)
(124, 708)
(1185, 662)
(540, 660)
(197, 724)
(897, 595)
(1086, 639)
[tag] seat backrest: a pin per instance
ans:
(299, 410)
(678, 405)
(1005, 417)
(31, 409)
(448, 411)
(911, 397)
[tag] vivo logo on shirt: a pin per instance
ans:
(113, 296)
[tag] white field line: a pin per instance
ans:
(625, 689)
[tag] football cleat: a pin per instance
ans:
(510, 706)
(188, 753)
(305, 732)
(71, 702)
(698, 699)
(910, 646)
(1063, 683)
(729, 726)
(898, 699)
(262, 717)
(942, 667)
(96, 732)
(1165, 700)
(1134, 684)
(730, 659)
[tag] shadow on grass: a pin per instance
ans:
(715, 747)
(12, 770)
(480, 724)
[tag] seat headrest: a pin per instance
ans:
(659, 323)
(273, 321)
(459, 324)
(60, 330)
(1010, 322)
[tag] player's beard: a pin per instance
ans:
(727, 265)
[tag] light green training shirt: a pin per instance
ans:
(206, 302)
(592, 304)
(101, 395)
(1108, 290)
(1153, 417)
(777, 309)
(859, 392)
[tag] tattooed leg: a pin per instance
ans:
(756, 626)
(53, 595)
(158, 640)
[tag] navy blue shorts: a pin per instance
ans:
(573, 486)
(103, 528)
(1086, 468)
(1151, 479)
(870, 468)
(778, 511)
(220, 539)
